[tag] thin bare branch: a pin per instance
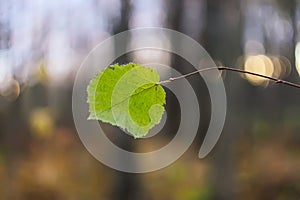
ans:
(222, 68)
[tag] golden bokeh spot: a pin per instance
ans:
(259, 64)
(12, 90)
(297, 57)
(41, 123)
(277, 73)
(286, 66)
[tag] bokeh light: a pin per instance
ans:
(297, 57)
(260, 64)
(286, 66)
(41, 123)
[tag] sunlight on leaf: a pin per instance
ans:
(127, 96)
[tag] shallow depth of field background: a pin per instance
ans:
(42, 44)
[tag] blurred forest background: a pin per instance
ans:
(42, 44)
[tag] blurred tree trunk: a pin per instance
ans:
(223, 32)
(174, 20)
(188, 17)
(126, 186)
(217, 37)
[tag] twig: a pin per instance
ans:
(222, 68)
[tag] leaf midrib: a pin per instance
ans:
(154, 84)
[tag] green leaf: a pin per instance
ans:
(127, 96)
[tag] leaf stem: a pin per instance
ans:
(223, 68)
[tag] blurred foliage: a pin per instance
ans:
(58, 168)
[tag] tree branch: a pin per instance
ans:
(222, 68)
